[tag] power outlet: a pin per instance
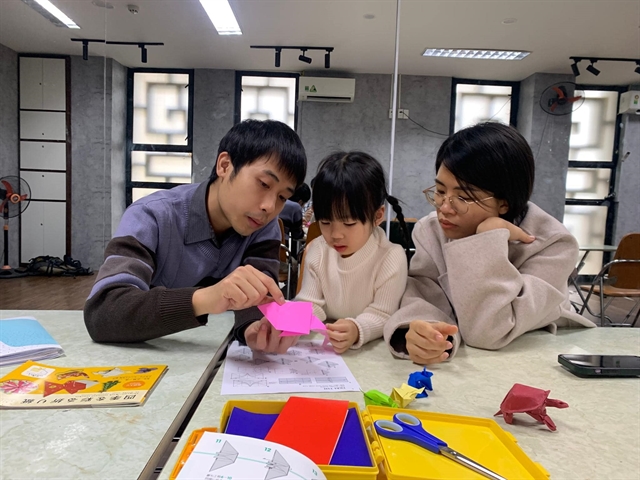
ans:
(403, 113)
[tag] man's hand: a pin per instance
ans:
(261, 336)
(515, 233)
(427, 341)
(243, 288)
(343, 333)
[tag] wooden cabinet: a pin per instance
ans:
(44, 230)
(43, 83)
(40, 125)
(44, 138)
(43, 155)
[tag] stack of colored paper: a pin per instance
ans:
(292, 318)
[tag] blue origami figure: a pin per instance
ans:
(420, 380)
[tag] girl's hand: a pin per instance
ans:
(343, 333)
(515, 233)
(427, 341)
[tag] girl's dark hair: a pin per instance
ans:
(352, 185)
(493, 157)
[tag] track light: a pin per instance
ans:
(303, 57)
(86, 41)
(278, 51)
(592, 69)
(143, 52)
(575, 69)
(637, 70)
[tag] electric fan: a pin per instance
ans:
(561, 99)
(15, 195)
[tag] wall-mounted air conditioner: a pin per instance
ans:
(324, 89)
(630, 102)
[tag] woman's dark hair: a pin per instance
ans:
(251, 139)
(495, 158)
(302, 194)
(352, 185)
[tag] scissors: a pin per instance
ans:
(409, 428)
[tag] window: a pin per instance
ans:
(590, 206)
(267, 97)
(159, 125)
(481, 101)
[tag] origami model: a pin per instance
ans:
(405, 394)
(421, 379)
(376, 397)
(530, 400)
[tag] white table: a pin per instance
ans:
(107, 443)
(598, 436)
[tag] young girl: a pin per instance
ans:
(489, 265)
(353, 274)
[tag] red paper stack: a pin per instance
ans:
(311, 426)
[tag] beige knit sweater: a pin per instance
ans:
(365, 287)
(493, 289)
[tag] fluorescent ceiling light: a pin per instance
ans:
(57, 13)
(222, 16)
(478, 54)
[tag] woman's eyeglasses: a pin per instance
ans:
(458, 204)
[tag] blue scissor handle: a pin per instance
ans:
(395, 431)
(414, 424)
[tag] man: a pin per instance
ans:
(181, 254)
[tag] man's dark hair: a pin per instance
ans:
(495, 158)
(252, 139)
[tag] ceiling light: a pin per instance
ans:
(278, 51)
(222, 16)
(592, 69)
(475, 54)
(303, 57)
(51, 12)
(575, 69)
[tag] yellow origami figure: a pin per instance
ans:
(405, 394)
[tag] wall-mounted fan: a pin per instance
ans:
(561, 98)
(15, 195)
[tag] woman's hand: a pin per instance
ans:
(343, 333)
(516, 234)
(427, 341)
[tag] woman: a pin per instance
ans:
(489, 265)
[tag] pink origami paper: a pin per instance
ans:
(293, 318)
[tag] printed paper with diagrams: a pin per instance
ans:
(217, 455)
(306, 367)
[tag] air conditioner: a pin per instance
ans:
(324, 89)
(630, 102)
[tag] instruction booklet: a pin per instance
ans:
(35, 385)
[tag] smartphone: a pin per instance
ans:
(601, 365)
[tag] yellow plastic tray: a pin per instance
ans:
(332, 472)
(480, 439)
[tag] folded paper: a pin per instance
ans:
(405, 394)
(532, 401)
(294, 318)
(376, 397)
(421, 379)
